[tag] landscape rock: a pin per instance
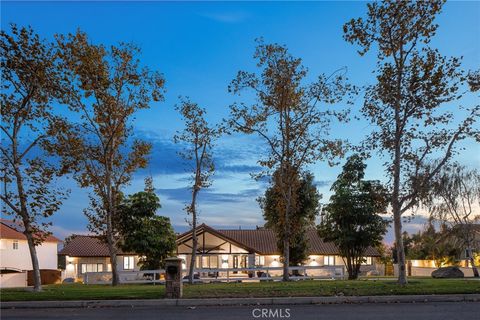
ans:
(448, 272)
(373, 273)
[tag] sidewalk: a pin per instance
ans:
(240, 301)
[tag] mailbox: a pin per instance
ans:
(173, 278)
(172, 270)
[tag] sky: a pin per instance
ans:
(199, 47)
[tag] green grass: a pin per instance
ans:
(264, 289)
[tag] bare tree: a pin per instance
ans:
(456, 201)
(31, 80)
(108, 86)
(407, 104)
(291, 119)
(197, 138)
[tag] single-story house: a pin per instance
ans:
(83, 254)
(15, 260)
(226, 248)
(244, 248)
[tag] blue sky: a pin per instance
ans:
(199, 47)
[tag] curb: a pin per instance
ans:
(239, 301)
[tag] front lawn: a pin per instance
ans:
(263, 289)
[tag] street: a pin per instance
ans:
(411, 311)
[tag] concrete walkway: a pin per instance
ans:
(241, 301)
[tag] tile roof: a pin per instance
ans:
(264, 241)
(13, 230)
(87, 246)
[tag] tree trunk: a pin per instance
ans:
(472, 262)
(286, 258)
(194, 234)
(286, 239)
(402, 272)
(37, 280)
(28, 232)
(113, 260)
(194, 251)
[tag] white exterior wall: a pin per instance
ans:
(20, 258)
(12, 280)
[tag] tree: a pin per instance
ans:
(198, 137)
(143, 232)
(288, 118)
(302, 219)
(431, 244)
(108, 87)
(31, 81)
(351, 219)
(414, 131)
(456, 201)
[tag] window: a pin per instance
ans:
(128, 262)
(15, 244)
(259, 260)
(367, 261)
(209, 262)
(329, 260)
(91, 267)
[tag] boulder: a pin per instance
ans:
(373, 273)
(448, 272)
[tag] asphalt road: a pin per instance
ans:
(411, 311)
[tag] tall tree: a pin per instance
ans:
(142, 231)
(303, 218)
(31, 81)
(291, 118)
(351, 219)
(197, 138)
(407, 104)
(456, 202)
(108, 87)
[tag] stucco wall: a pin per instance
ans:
(12, 280)
(20, 258)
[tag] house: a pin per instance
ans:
(244, 248)
(228, 248)
(15, 257)
(82, 254)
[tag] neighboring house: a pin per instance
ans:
(241, 248)
(15, 255)
(83, 254)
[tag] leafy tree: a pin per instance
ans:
(291, 118)
(108, 86)
(351, 219)
(430, 244)
(198, 137)
(302, 219)
(456, 202)
(31, 81)
(143, 232)
(413, 129)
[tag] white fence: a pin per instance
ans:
(221, 275)
(427, 271)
